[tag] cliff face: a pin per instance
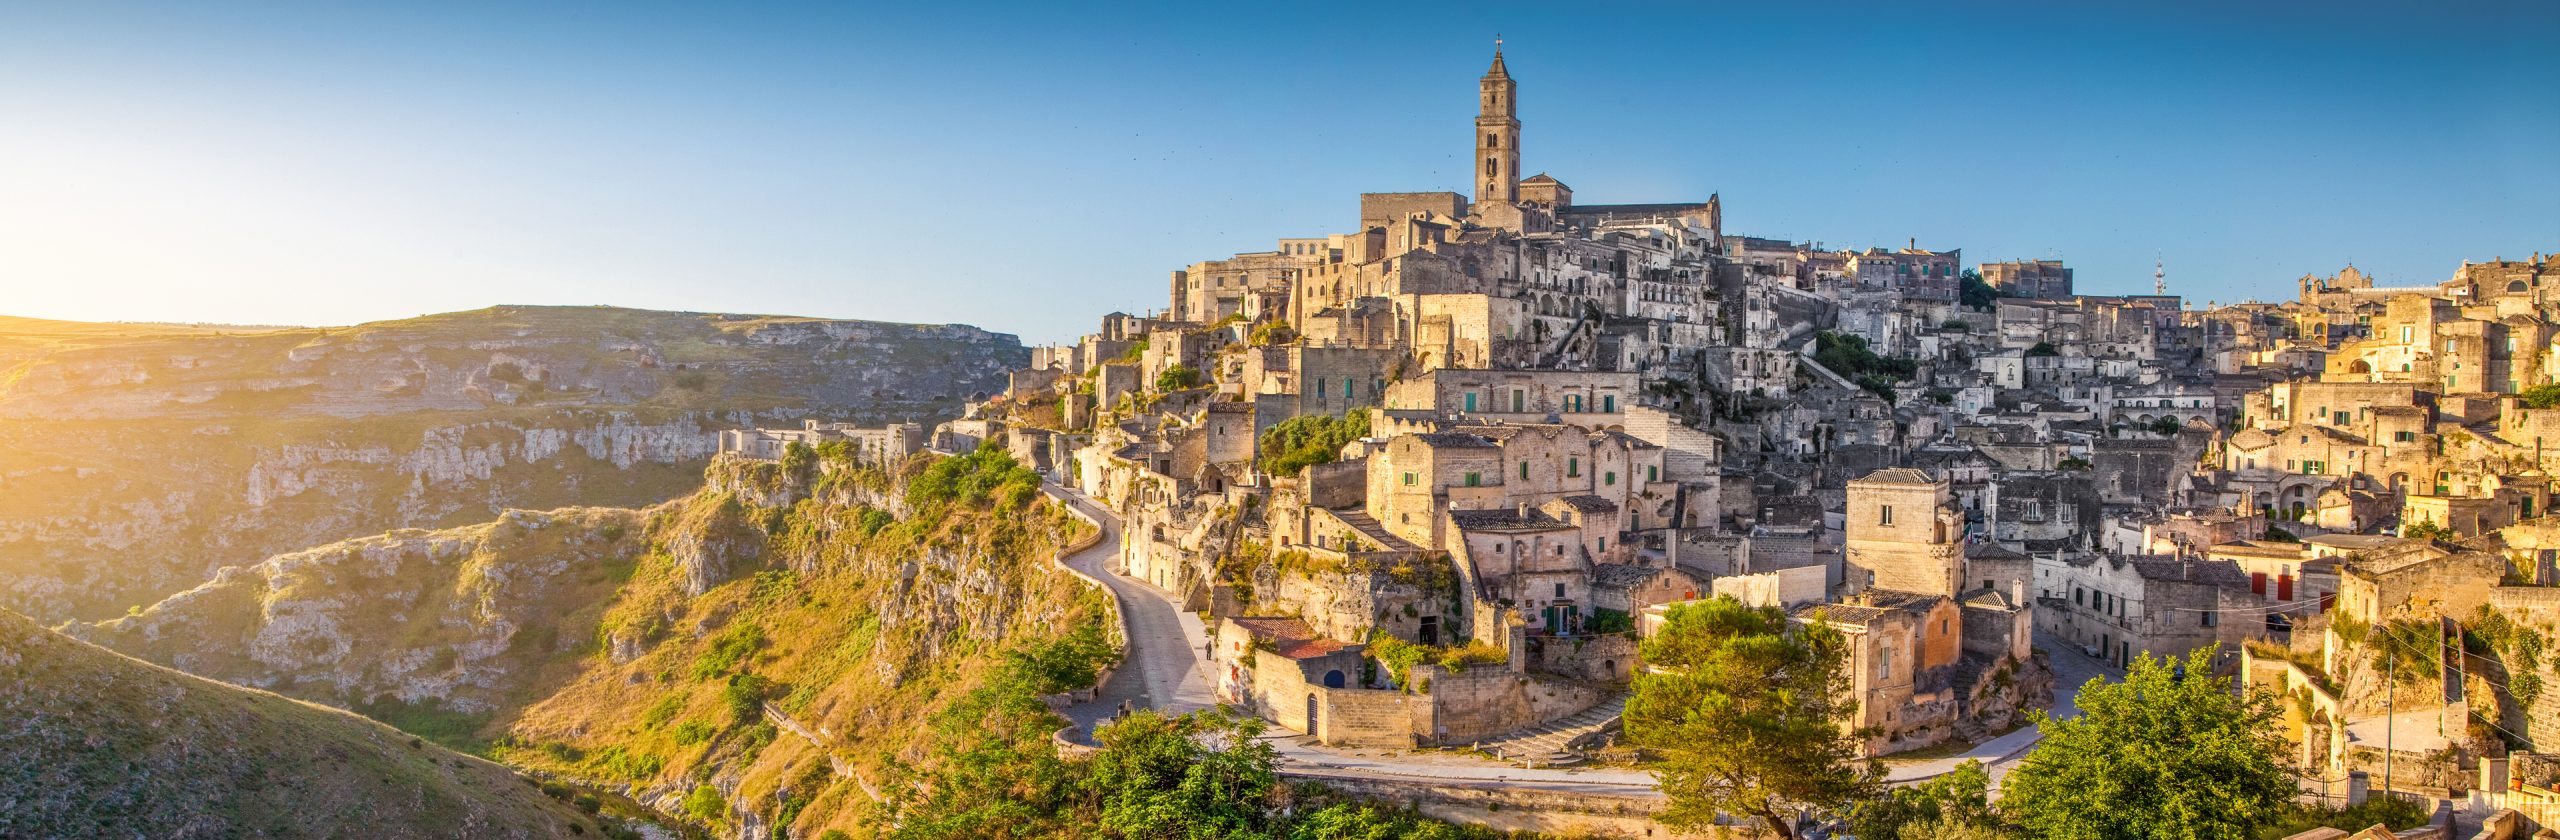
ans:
(135, 460)
(99, 745)
(746, 656)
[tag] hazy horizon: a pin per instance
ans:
(1027, 169)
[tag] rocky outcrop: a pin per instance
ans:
(163, 454)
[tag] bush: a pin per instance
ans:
(705, 804)
(2541, 396)
(981, 478)
(1178, 377)
(1300, 442)
(728, 650)
(693, 732)
(745, 696)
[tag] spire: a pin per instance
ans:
(1498, 71)
(2159, 275)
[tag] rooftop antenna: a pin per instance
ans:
(2159, 275)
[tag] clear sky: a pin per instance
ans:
(1029, 168)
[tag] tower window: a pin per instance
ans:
(1493, 141)
(1488, 166)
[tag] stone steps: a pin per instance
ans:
(1551, 744)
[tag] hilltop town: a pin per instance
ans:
(1430, 480)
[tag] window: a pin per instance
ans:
(1884, 514)
(1604, 544)
(1572, 467)
(1559, 590)
(1524, 471)
(1410, 479)
(1609, 479)
(2207, 618)
(1652, 474)
(2403, 437)
(1519, 400)
(1609, 403)
(2076, 592)
(1474, 479)
(1319, 389)
(1471, 402)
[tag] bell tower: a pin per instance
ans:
(1497, 158)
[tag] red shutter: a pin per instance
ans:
(2258, 582)
(2284, 587)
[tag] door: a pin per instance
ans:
(1314, 727)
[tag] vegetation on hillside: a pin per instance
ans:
(2159, 755)
(1309, 439)
(101, 745)
(1847, 355)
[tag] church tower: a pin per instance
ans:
(1497, 137)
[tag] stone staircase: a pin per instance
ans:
(1373, 531)
(1559, 742)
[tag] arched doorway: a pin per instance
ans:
(1313, 726)
(1333, 678)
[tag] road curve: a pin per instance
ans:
(1163, 669)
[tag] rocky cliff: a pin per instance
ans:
(748, 657)
(135, 460)
(100, 745)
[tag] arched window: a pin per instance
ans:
(1493, 141)
(1488, 166)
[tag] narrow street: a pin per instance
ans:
(2071, 670)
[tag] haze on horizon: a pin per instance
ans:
(1027, 168)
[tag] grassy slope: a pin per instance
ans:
(102, 745)
(851, 621)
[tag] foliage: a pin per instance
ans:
(1070, 662)
(1203, 774)
(728, 650)
(1750, 716)
(1178, 377)
(2042, 349)
(798, 460)
(693, 732)
(2541, 396)
(1960, 798)
(985, 477)
(1306, 440)
(2428, 530)
(1957, 325)
(619, 762)
(744, 695)
(705, 804)
(2280, 535)
(2166, 426)
(1976, 294)
(2074, 463)
(1273, 334)
(2154, 756)
(1604, 620)
(1847, 355)
(1398, 656)
(1363, 821)
(2400, 814)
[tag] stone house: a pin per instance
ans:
(2116, 607)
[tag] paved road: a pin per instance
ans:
(1163, 670)
(2071, 670)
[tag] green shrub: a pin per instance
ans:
(693, 732)
(1306, 440)
(705, 804)
(728, 650)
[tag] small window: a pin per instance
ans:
(1609, 479)
(1410, 479)
(1572, 467)
(1884, 514)
(1475, 479)
(1559, 590)
(1652, 474)
(2208, 618)
(1524, 471)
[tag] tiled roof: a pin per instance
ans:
(1505, 521)
(1289, 637)
(1898, 475)
(1454, 440)
(1589, 504)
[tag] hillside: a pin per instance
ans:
(137, 459)
(101, 745)
(642, 649)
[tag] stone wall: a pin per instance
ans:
(1364, 717)
(1602, 659)
(1488, 700)
(1508, 807)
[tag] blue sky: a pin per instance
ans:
(1029, 168)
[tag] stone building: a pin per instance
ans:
(2043, 279)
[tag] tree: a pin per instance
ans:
(1177, 378)
(1750, 715)
(1308, 439)
(1960, 799)
(2074, 463)
(2042, 348)
(2166, 426)
(1976, 294)
(1200, 775)
(2155, 757)
(2541, 396)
